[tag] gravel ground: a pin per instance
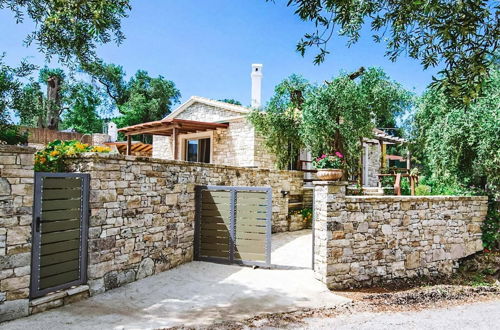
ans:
(484, 315)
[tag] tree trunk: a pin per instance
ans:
(53, 102)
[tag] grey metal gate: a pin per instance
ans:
(233, 225)
(60, 231)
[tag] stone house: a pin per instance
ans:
(209, 131)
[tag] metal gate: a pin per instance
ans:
(60, 231)
(233, 225)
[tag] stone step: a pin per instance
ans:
(373, 191)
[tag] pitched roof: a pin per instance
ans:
(219, 104)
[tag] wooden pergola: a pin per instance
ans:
(168, 127)
(138, 148)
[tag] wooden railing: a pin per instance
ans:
(397, 183)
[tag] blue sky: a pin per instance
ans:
(207, 47)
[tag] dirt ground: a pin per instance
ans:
(372, 302)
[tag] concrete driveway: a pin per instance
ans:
(292, 249)
(197, 293)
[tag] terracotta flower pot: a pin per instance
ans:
(329, 174)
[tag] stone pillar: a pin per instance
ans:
(327, 194)
(16, 205)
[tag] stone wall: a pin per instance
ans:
(143, 211)
(364, 240)
(16, 202)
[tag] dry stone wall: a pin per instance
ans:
(16, 200)
(364, 240)
(143, 211)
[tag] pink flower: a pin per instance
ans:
(323, 156)
(338, 154)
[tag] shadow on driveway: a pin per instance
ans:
(197, 293)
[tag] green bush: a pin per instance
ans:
(422, 190)
(10, 134)
(491, 226)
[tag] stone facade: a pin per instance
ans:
(364, 240)
(373, 166)
(238, 145)
(16, 203)
(143, 211)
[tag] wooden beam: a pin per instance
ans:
(174, 142)
(129, 145)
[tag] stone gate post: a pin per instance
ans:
(328, 195)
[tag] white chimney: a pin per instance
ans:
(112, 132)
(256, 85)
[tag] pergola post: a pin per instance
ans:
(129, 145)
(174, 142)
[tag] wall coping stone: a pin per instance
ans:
(362, 199)
(330, 183)
(149, 160)
(17, 149)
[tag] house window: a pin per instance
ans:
(198, 150)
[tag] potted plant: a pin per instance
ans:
(329, 167)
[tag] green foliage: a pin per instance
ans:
(405, 186)
(231, 101)
(422, 190)
(10, 134)
(457, 147)
(462, 36)
(280, 124)
(82, 114)
(51, 159)
(30, 105)
(10, 85)
(335, 118)
(141, 99)
(388, 181)
(328, 118)
(491, 226)
(70, 29)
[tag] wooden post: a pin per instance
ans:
(397, 185)
(174, 142)
(129, 145)
(361, 164)
(412, 185)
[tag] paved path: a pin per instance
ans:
(196, 293)
(478, 316)
(292, 249)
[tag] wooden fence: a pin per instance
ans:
(44, 135)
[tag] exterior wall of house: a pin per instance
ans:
(262, 157)
(162, 147)
(373, 164)
(364, 240)
(237, 145)
(203, 112)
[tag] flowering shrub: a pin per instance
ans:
(329, 161)
(307, 215)
(51, 159)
